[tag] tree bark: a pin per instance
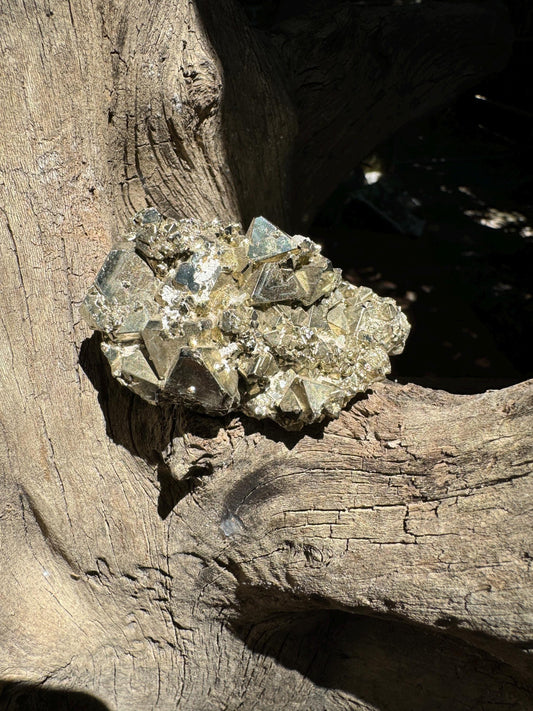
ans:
(153, 558)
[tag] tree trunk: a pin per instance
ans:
(153, 558)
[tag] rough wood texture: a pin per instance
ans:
(153, 559)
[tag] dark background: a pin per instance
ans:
(466, 281)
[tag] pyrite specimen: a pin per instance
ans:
(202, 314)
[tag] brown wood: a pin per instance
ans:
(152, 558)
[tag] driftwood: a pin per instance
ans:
(152, 558)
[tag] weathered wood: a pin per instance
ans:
(158, 559)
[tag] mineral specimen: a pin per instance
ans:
(202, 314)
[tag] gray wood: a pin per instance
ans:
(151, 558)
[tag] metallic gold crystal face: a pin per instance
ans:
(202, 314)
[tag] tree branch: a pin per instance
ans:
(413, 495)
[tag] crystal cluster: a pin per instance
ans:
(202, 314)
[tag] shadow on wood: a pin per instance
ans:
(387, 663)
(23, 696)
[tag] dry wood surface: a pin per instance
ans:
(153, 558)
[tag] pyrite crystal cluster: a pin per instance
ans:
(202, 314)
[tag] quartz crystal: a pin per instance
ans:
(204, 315)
